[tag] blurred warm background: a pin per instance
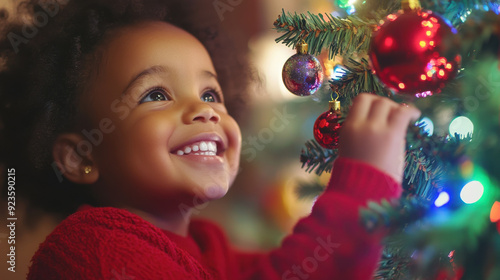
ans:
(262, 205)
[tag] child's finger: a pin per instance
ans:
(380, 110)
(360, 107)
(403, 115)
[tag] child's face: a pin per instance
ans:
(173, 140)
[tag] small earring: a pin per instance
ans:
(87, 169)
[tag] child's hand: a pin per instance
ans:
(374, 132)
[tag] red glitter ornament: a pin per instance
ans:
(327, 126)
(415, 52)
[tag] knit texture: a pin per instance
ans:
(111, 243)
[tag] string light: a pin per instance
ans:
(427, 125)
(338, 72)
(495, 212)
(442, 199)
(462, 126)
(472, 192)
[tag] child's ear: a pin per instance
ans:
(73, 155)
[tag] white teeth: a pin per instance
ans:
(203, 146)
(212, 147)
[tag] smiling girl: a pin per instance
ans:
(130, 105)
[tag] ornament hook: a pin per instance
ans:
(334, 105)
(410, 5)
(302, 47)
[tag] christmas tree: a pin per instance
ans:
(441, 56)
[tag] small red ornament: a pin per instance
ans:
(327, 126)
(415, 52)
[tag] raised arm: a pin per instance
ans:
(331, 243)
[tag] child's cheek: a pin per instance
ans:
(150, 132)
(234, 150)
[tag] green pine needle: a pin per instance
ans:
(357, 79)
(339, 35)
(393, 215)
(317, 158)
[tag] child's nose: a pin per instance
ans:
(201, 112)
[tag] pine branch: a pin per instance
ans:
(457, 11)
(358, 78)
(376, 9)
(317, 158)
(478, 36)
(394, 264)
(428, 158)
(308, 190)
(393, 215)
(422, 174)
(339, 35)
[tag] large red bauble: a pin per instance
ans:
(415, 52)
(326, 129)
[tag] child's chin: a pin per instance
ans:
(215, 192)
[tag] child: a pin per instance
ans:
(138, 119)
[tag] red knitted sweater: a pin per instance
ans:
(111, 243)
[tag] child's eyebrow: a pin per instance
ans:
(209, 74)
(156, 69)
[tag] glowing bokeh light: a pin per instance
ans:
(467, 169)
(388, 42)
(462, 126)
(427, 125)
(351, 10)
(423, 94)
(495, 212)
(442, 199)
(338, 72)
(472, 192)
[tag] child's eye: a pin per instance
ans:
(157, 94)
(211, 96)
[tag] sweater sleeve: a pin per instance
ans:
(331, 243)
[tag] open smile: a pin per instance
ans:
(208, 148)
(203, 145)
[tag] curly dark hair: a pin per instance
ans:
(43, 66)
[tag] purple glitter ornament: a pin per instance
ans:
(302, 73)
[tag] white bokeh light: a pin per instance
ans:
(462, 126)
(427, 125)
(472, 192)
